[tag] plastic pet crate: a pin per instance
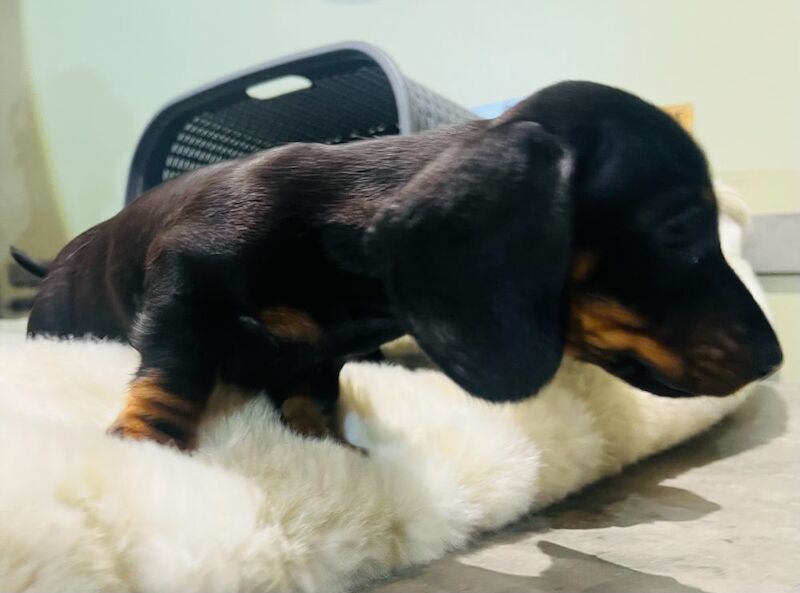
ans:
(356, 91)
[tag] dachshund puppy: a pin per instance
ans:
(582, 221)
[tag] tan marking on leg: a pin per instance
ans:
(582, 265)
(608, 326)
(304, 415)
(291, 324)
(147, 405)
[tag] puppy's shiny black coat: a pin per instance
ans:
(582, 220)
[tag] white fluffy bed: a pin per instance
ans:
(257, 508)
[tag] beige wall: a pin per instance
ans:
(29, 212)
(99, 70)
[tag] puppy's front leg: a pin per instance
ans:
(177, 334)
(309, 406)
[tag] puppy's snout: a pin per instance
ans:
(769, 358)
(763, 345)
(735, 354)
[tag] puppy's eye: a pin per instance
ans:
(683, 233)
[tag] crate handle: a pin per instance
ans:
(277, 87)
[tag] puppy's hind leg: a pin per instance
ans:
(177, 336)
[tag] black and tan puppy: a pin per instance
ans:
(581, 221)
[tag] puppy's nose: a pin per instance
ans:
(769, 359)
(766, 371)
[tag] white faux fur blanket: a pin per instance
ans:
(258, 508)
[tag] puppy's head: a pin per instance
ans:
(581, 221)
(651, 297)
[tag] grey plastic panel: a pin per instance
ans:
(356, 92)
(773, 246)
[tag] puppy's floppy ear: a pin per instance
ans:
(475, 255)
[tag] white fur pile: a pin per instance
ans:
(257, 508)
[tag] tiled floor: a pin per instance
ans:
(718, 514)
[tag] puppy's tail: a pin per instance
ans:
(25, 261)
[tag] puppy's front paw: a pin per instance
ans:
(304, 415)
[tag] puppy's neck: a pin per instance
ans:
(361, 179)
(344, 233)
